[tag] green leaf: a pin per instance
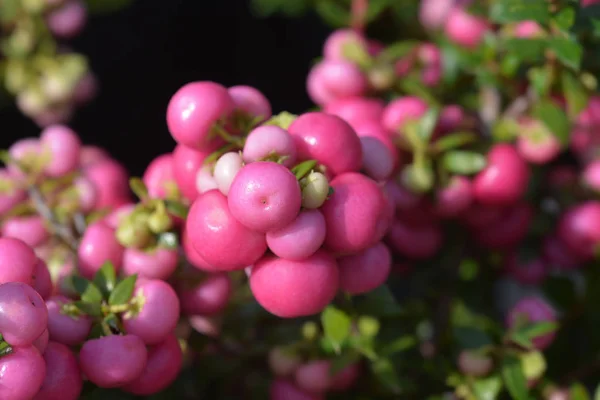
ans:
(450, 63)
(283, 120)
(398, 50)
(139, 188)
(123, 291)
(554, 118)
(568, 51)
(96, 331)
(487, 388)
(378, 303)
(384, 371)
(463, 162)
(530, 50)
(597, 393)
(333, 13)
(565, 18)
(454, 140)
(521, 340)
(88, 292)
(541, 78)
(336, 325)
(302, 169)
(105, 279)
(560, 291)
(112, 321)
(514, 379)
(471, 338)
(505, 11)
(91, 309)
(578, 392)
(342, 361)
(427, 123)
(575, 94)
(399, 345)
(176, 208)
(106, 6)
(532, 331)
(10, 9)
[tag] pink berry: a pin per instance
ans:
(157, 263)
(509, 230)
(63, 146)
(87, 194)
(532, 310)
(450, 119)
(219, 238)
(63, 378)
(64, 328)
(24, 151)
(17, 261)
(418, 242)
(558, 255)
(186, 163)
(23, 314)
(285, 390)
(11, 194)
(113, 361)
(329, 140)
(474, 364)
(579, 228)
(86, 89)
(531, 272)
(331, 80)
(301, 238)
(269, 141)
(378, 160)
(158, 313)
(226, 169)
(69, 20)
(478, 216)
(291, 289)
(354, 214)
(23, 373)
(356, 109)
(251, 101)
(365, 271)
(374, 129)
(164, 363)
(98, 245)
(192, 256)
(194, 110)
(505, 178)
(41, 280)
(205, 180)
(118, 215)
(345, 379)
(527, 29)
(401, 111)
(111, 181)
(434, 13)
(455, 198)
(30, 229)
(159, 178)
(537, 144)
(264, 196)
(91, 154)
(591, 176)
(339, 41)
(208, 297)
(465, 29)
(314, 376)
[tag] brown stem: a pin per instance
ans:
(520, 105)
(64, 232)
(490, 107)
(359, 14)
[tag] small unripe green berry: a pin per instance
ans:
(315, 189)
(133, 233)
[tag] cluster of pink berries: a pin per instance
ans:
(291, 187)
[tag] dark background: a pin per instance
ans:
(144, 53)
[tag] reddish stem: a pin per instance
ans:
(359, 15)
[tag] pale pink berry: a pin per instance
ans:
(113, 361)
(591, 176)
(291, 289)
(340, 41)
(63, 328)
(218, 237)
(356, 109)
(465, 29)
(270, 142)
(17, 261)
(111, 181)
(69, 20)
(23, 314)
(301, 238)
(527, 29)
(98, 245)
(314, 376)
(156, 263)
(87, 193)
(401, 111)
(473, 364)
(62, 380)
(23, 373)
(250, 101)
(365, 271)
(331, 80)
(205, 180)
(225, 170)
(91, 154)
(264, 196)
(63, 146)
(434, 13)
(537, 144)
(30, 229)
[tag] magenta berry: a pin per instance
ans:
(98, 245)
(194, 111)
(345, 379)
(63, 378)
(159, 177)
(113, 361)
(63, 328)
(186, 163)
(156, 314)
(301, 238)
(365, 271)
(157, 263)
(292, 289)
(455, 198)
(219, 238)
(314, 376)
(23, 314)
(17, 261)
(30, 229)
(63, 146)
(418, 242)
(23, 373)
(579, 228)
(527, 272)
(264, 196)
(591, 176)
(354, 214)
(163, 366)
(225, 170)
(557, 254)
(270, 142)
(509, 230)
(251, 102)
(286, 390)
(41, 343)
(41, 280)
(504, 180)
(208, 297)
(532, 310)
(329, 140)
(378, 160)
(356, 109)
(111, 181)
(68, 21)
(465, 29)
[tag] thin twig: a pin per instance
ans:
(359, 14)
(490, 107)
(64, 232)
(520, 105)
